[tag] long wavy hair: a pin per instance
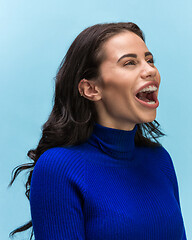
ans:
(72, 118)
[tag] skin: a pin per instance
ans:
(114, 93)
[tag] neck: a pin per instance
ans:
(117, 143)
(119, 126)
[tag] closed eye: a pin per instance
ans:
(130, 63)
(151, 61)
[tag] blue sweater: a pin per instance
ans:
(106, 188)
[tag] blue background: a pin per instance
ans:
(34, 37)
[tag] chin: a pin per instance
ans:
(148, 118)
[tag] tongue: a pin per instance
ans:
(147, 97)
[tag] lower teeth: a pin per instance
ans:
(152, 102)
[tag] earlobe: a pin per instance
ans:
(89, 90)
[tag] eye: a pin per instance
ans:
(131, 62)
(152, 61)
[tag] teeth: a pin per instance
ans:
(151, 102)
(150, 88)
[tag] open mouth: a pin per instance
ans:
(147, 96)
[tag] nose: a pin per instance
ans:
(148, 71)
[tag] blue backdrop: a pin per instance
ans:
(34, 37)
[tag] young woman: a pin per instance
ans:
(98, 171)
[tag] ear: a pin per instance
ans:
(89, 89)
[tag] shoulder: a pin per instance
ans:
(160, 157)
(166, 164)
(59, 162)
(164, 156)
(59, 156)
(160, 152)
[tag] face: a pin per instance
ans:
(127, 68)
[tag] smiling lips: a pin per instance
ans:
(146, 95)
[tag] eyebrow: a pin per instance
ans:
(133, 55)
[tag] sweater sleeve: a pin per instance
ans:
(57, 197)
(170, 171)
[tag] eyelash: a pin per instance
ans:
(152, 61)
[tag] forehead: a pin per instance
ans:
(123, 43)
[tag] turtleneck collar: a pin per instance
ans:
(114, 142)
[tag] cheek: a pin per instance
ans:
(118, 84)
(117, 96)
(117, 80)
(117, 91)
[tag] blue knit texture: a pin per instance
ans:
(106, 188)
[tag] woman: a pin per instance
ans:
(98, 171)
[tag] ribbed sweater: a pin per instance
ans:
(106, 188)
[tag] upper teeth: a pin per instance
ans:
(150, 88)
